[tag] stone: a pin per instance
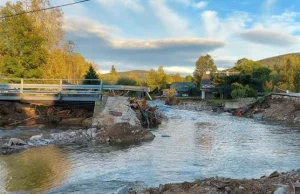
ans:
(123, 190)
(36, 137)
(282, 190)
(228, 189)
(91, 132)
(274, 174)
(161, 188)
(116, 113)
(15, 141)
(106, 121)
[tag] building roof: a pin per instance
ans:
(183, 86)
(206, 84)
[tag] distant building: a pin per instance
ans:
(206, 87)
(183, 87)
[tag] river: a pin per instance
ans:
(189, 145)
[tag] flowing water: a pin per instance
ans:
(200, 144)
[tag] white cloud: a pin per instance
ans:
(176, 25)
(133, 5)
(191, 3)
(200, 4)
(177, 69)
(82, 25)
(269, 37)
(215, 27)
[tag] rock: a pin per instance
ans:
(92, 132)
(165, 136)
(36, 137)
(161, 188)
(105, 121)
(228, 189)
(115, 113)
(282, 190)
(123, 190)
(15, 141)
(274, 174)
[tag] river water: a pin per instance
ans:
(200, 144)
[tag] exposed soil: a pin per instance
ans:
(282, 109)
(16, 114)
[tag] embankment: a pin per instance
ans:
(277, 108)
(277, 183)
(32, 114)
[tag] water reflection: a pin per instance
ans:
(35, 170)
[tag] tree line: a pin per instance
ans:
(254, 77)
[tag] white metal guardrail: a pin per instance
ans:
(58, 89)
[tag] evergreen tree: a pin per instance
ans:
(91, 74)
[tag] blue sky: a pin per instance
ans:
(143, 34)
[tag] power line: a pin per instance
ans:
(44, 9)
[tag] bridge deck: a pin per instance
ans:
(38, 91)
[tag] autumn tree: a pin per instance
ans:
(204, 64)
(178, 78)
(49, 22)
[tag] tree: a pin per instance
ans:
(49, 22)
(21, 44)
(204, 64)
(91, 74)
(178, 78)
(113, 76)
(188, 78)
(247, 66)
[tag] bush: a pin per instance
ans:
(126, 82)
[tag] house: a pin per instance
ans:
(206, 86)
(183, 87)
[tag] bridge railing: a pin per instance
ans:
(58, 89)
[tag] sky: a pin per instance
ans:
(144, 34)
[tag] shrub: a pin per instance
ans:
(126, 82)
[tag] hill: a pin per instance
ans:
(273, 61)
(140, 74)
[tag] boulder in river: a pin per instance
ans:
(16, 141)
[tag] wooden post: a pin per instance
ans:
(149, 95)
(22, 86)
(60, 85)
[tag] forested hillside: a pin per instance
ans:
(273, 61)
